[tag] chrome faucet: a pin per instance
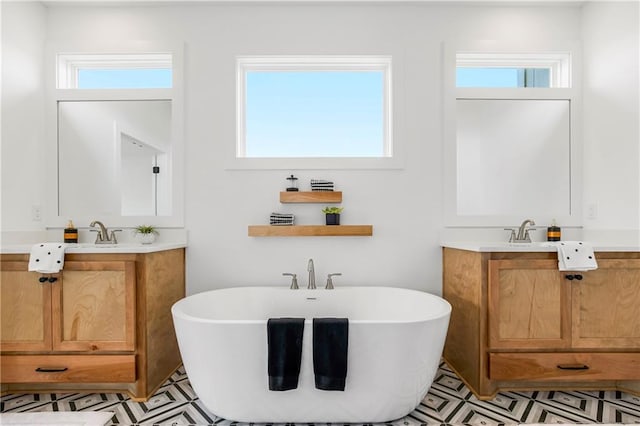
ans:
(294, 280)
(330, 281)
(312, 275)
(523, 233)
(104, 237)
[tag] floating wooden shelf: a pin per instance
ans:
(310, 230)
(311, 197)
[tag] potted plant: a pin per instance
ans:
(332, 215)
(146, 233)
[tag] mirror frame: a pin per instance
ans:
(451, 93)
(174, 94)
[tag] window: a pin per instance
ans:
(311, 107)
(502, 77)
(115, 71)
(493, 70)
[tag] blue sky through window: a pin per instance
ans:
(314, 114)
(486, 77)
(502, 77)
(138, 78)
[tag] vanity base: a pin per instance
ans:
(517, 323)
(490, 388)
(138, 289)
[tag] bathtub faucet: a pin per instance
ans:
(294, 280)
(312, 275)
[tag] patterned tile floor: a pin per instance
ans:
(449, 402)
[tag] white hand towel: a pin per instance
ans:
(576, 256)
(47, 258)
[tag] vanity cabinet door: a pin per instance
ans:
(93, 307)
(529, 305)
(606, 306)
(25, 309)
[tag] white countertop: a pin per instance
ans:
(98, 248)
(484, 246)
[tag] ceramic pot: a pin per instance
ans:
(333, 218)
(146, 238)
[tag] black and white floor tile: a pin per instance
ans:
(449, 402)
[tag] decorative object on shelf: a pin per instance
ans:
(332, 215)
(146, 234)
(321, 185)
(281, 219)
(293, 184)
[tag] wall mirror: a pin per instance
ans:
(114, 158)
(513, 157)
(117, 138)
(511, 152)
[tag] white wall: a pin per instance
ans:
(23, 160)
(611, 118)
(405, 206)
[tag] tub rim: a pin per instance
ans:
(177, 312)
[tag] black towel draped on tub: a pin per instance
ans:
(284, 342)
(330, 347)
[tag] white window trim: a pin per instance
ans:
(157, 51)
(558, 63)
(451, 94)
(244, 64)
(69, 64)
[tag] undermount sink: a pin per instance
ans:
(532, 246)
(96, 246)
(90, 245)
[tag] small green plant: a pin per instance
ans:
(146, 229)
(332, 210)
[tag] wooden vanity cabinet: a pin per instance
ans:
(519, 323)
(105, 323)
(25, 309)
(90, 307)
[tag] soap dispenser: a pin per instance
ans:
(70, 233)
(553, 232)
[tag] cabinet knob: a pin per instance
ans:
(572, 277)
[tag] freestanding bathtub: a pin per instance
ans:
(396, 338)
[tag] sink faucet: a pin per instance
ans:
(312, 275)
(523, 232)
(104, 237)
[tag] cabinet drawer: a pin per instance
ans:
(564, 366)
(68, 368)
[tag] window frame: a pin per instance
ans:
(558, 63)
(451, 93)
(70, 64)
(245, 64)
(97, 52)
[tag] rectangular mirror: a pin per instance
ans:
(114, 158)
(513, 157)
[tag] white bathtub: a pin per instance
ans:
(396, 338)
